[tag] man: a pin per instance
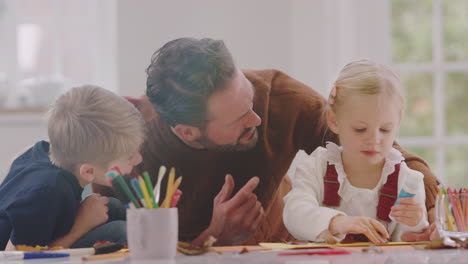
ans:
(211, 120)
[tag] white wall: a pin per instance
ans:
(258, 33)
(308, 39)
(18, 131)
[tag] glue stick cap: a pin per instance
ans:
(411, 184)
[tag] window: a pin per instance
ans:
(428, 50)
(48, 46)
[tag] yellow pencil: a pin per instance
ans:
(144, 190)
(170, 182)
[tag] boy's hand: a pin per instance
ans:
(92, 213)
(371, 228)
(408, 212)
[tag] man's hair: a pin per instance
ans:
(89, 124)
(183, 74)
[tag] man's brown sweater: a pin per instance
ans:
(292, 120)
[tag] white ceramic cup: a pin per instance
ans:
(152, 233)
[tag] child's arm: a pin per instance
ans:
(303, 214)
(92, 213)
(371, 228)
(306, 219)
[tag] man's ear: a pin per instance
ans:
(87, 172)
(331, 121)
(187, 133)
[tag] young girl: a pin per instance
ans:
(352, 188)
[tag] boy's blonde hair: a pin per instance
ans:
(365, 77)
(89, 124)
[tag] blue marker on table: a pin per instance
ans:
(15, 255)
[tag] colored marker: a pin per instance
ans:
(176, 198)
(136, 187)
(144, 190)
(157, 188)
(127, 191)
(147, 179)
(170, 182)
(103, 249)
(16, 255)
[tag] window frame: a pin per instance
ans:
(439, 68)
(104, 64)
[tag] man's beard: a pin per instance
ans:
(210, 145)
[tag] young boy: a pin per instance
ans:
(91, 130)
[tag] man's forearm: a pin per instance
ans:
(431, 215)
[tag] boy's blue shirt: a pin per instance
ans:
(38, 200)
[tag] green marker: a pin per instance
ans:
(149, 186)
(127, 191)
(137, 189)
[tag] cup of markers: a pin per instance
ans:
(451, 213)
(152, 223)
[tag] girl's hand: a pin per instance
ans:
(408, 212)
(371, 228)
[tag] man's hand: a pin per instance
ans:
(92, 213)
(371, 228)
(429, 234)
(408, 212)
(234, 219)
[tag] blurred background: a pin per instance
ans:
(48, 46)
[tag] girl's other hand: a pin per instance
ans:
(371, 228)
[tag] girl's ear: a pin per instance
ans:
(331, 121)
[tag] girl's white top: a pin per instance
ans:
(306, 217)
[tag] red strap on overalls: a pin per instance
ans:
(331, 186)
(387, 198)
(388, 195)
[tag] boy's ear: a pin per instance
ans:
(331, 121)
(187, 133)
(87, 172)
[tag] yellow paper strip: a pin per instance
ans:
(322, 245)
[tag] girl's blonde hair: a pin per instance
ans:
(89, 124)
(365, 77)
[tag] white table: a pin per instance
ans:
(270, 257)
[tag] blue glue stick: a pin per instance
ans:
(409, 189)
